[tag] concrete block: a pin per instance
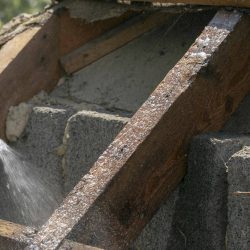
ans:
(195, 215)
(238, 232)
(87, 135)
(40, 144)
(155, 235)
(200, 218)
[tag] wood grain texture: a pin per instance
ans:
(115, 39)
(75, 32)
(113, 202)
(28, 65)
(235, 3)
(15, 236)
(29, 59)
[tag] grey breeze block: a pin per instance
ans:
(87, 135)
(195, 216)
(40, 142)
(238, 232)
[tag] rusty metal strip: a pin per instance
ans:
(147, 160)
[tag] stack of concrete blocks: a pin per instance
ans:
(202, 211)
(206, 212)
(196, 214)
(87, 135)
(61, 163)
(105, 94)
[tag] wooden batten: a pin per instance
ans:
(16, 236)
(29, 60)
(234, 3)
(111, 41)
(75, 32)
(147, 160)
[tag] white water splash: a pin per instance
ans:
(31, 200)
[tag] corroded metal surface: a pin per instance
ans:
(118, 196)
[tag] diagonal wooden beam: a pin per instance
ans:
(16, 236)
(147, 160)
(112, 40)
(235, 3)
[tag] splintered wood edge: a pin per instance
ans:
(19, 236)
(234, 3)
(162, 119)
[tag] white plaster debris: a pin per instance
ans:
(203, 42)
(18, 116)
(201, 55)
(61, 81)
(16, 120)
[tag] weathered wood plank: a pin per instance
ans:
(235, 3)
(114, 201)
(115, 39)
(29, 60)
(28, 65)
(14, 236)
(75, 32)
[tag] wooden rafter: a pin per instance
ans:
(235, 3)
(115, 39)
(29, 55)
(16, 236)
(147, 160)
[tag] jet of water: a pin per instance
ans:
(31, 200)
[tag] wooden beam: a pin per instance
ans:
(84, 31)
(15, 236)
(113, 202)
(234, 3)
(115, 39)
(29, 56)
(28, 64)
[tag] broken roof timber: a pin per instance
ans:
(147, 160)
(235, 3)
